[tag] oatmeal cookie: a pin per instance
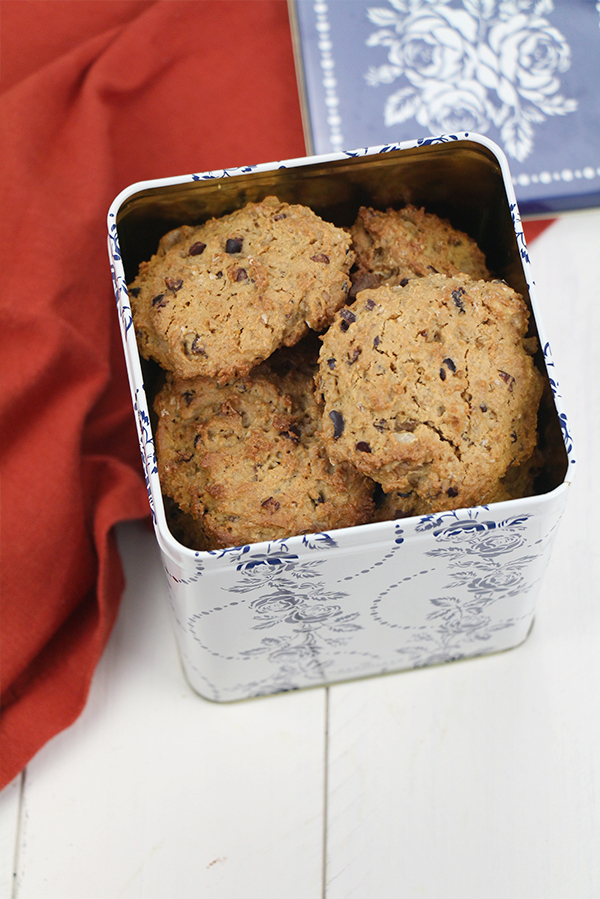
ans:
(395, 245)
(217, 299)
(430, 389)
(519, 481)
(245, 461)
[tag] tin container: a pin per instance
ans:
(321, 608)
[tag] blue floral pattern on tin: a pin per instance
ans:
(321, 608)
(146, 439)
(479, 574)
(564, 425)
(466, 586)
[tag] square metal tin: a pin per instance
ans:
(316, 609)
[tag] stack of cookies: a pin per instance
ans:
(419, 394)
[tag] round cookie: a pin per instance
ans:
(430, 389)
(245, 461)
(395, 245)
(217, 299)
(519, 481)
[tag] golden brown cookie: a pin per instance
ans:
(396, 245)
(245, 461)
(430, 389)
(519, 481)
(217, 299)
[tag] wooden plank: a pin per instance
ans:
(486, 774)
(155, 792)
(482, 777)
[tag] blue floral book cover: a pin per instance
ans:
(524, 72)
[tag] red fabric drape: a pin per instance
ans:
(94, 95)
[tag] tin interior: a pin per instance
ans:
(459, 180)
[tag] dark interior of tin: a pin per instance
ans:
(460, 180)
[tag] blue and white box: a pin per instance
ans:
(321, 608)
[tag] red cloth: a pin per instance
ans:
(535, 227)
(94, 95)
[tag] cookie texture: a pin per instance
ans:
(519, 481)
(245, 461)
(217, 299)
(431, 390)
(395, 245)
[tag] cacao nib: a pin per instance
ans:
(353, 356)
(370, 304)
(338, 424)
(320, 257)
(331, 363)
(135, 291)
(292, 433)
(234, 244)
(348, 315)
(174, 284)
(404, 282)
(457, 296)
(270, 504)
(241, 275)
(450, 364)
(443, 374)
(197, 248)
(452, 491)
(197, 348)
(160, 301)
(363, 447)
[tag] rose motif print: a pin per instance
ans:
(309, 610)
(530, 53)
(279, 604)
(488, 577)
(472, 65)
(453, 107)
(435, 44)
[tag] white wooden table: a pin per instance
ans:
(474, 779)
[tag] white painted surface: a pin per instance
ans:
(479, 778)
(9, 831)
(156, 792)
